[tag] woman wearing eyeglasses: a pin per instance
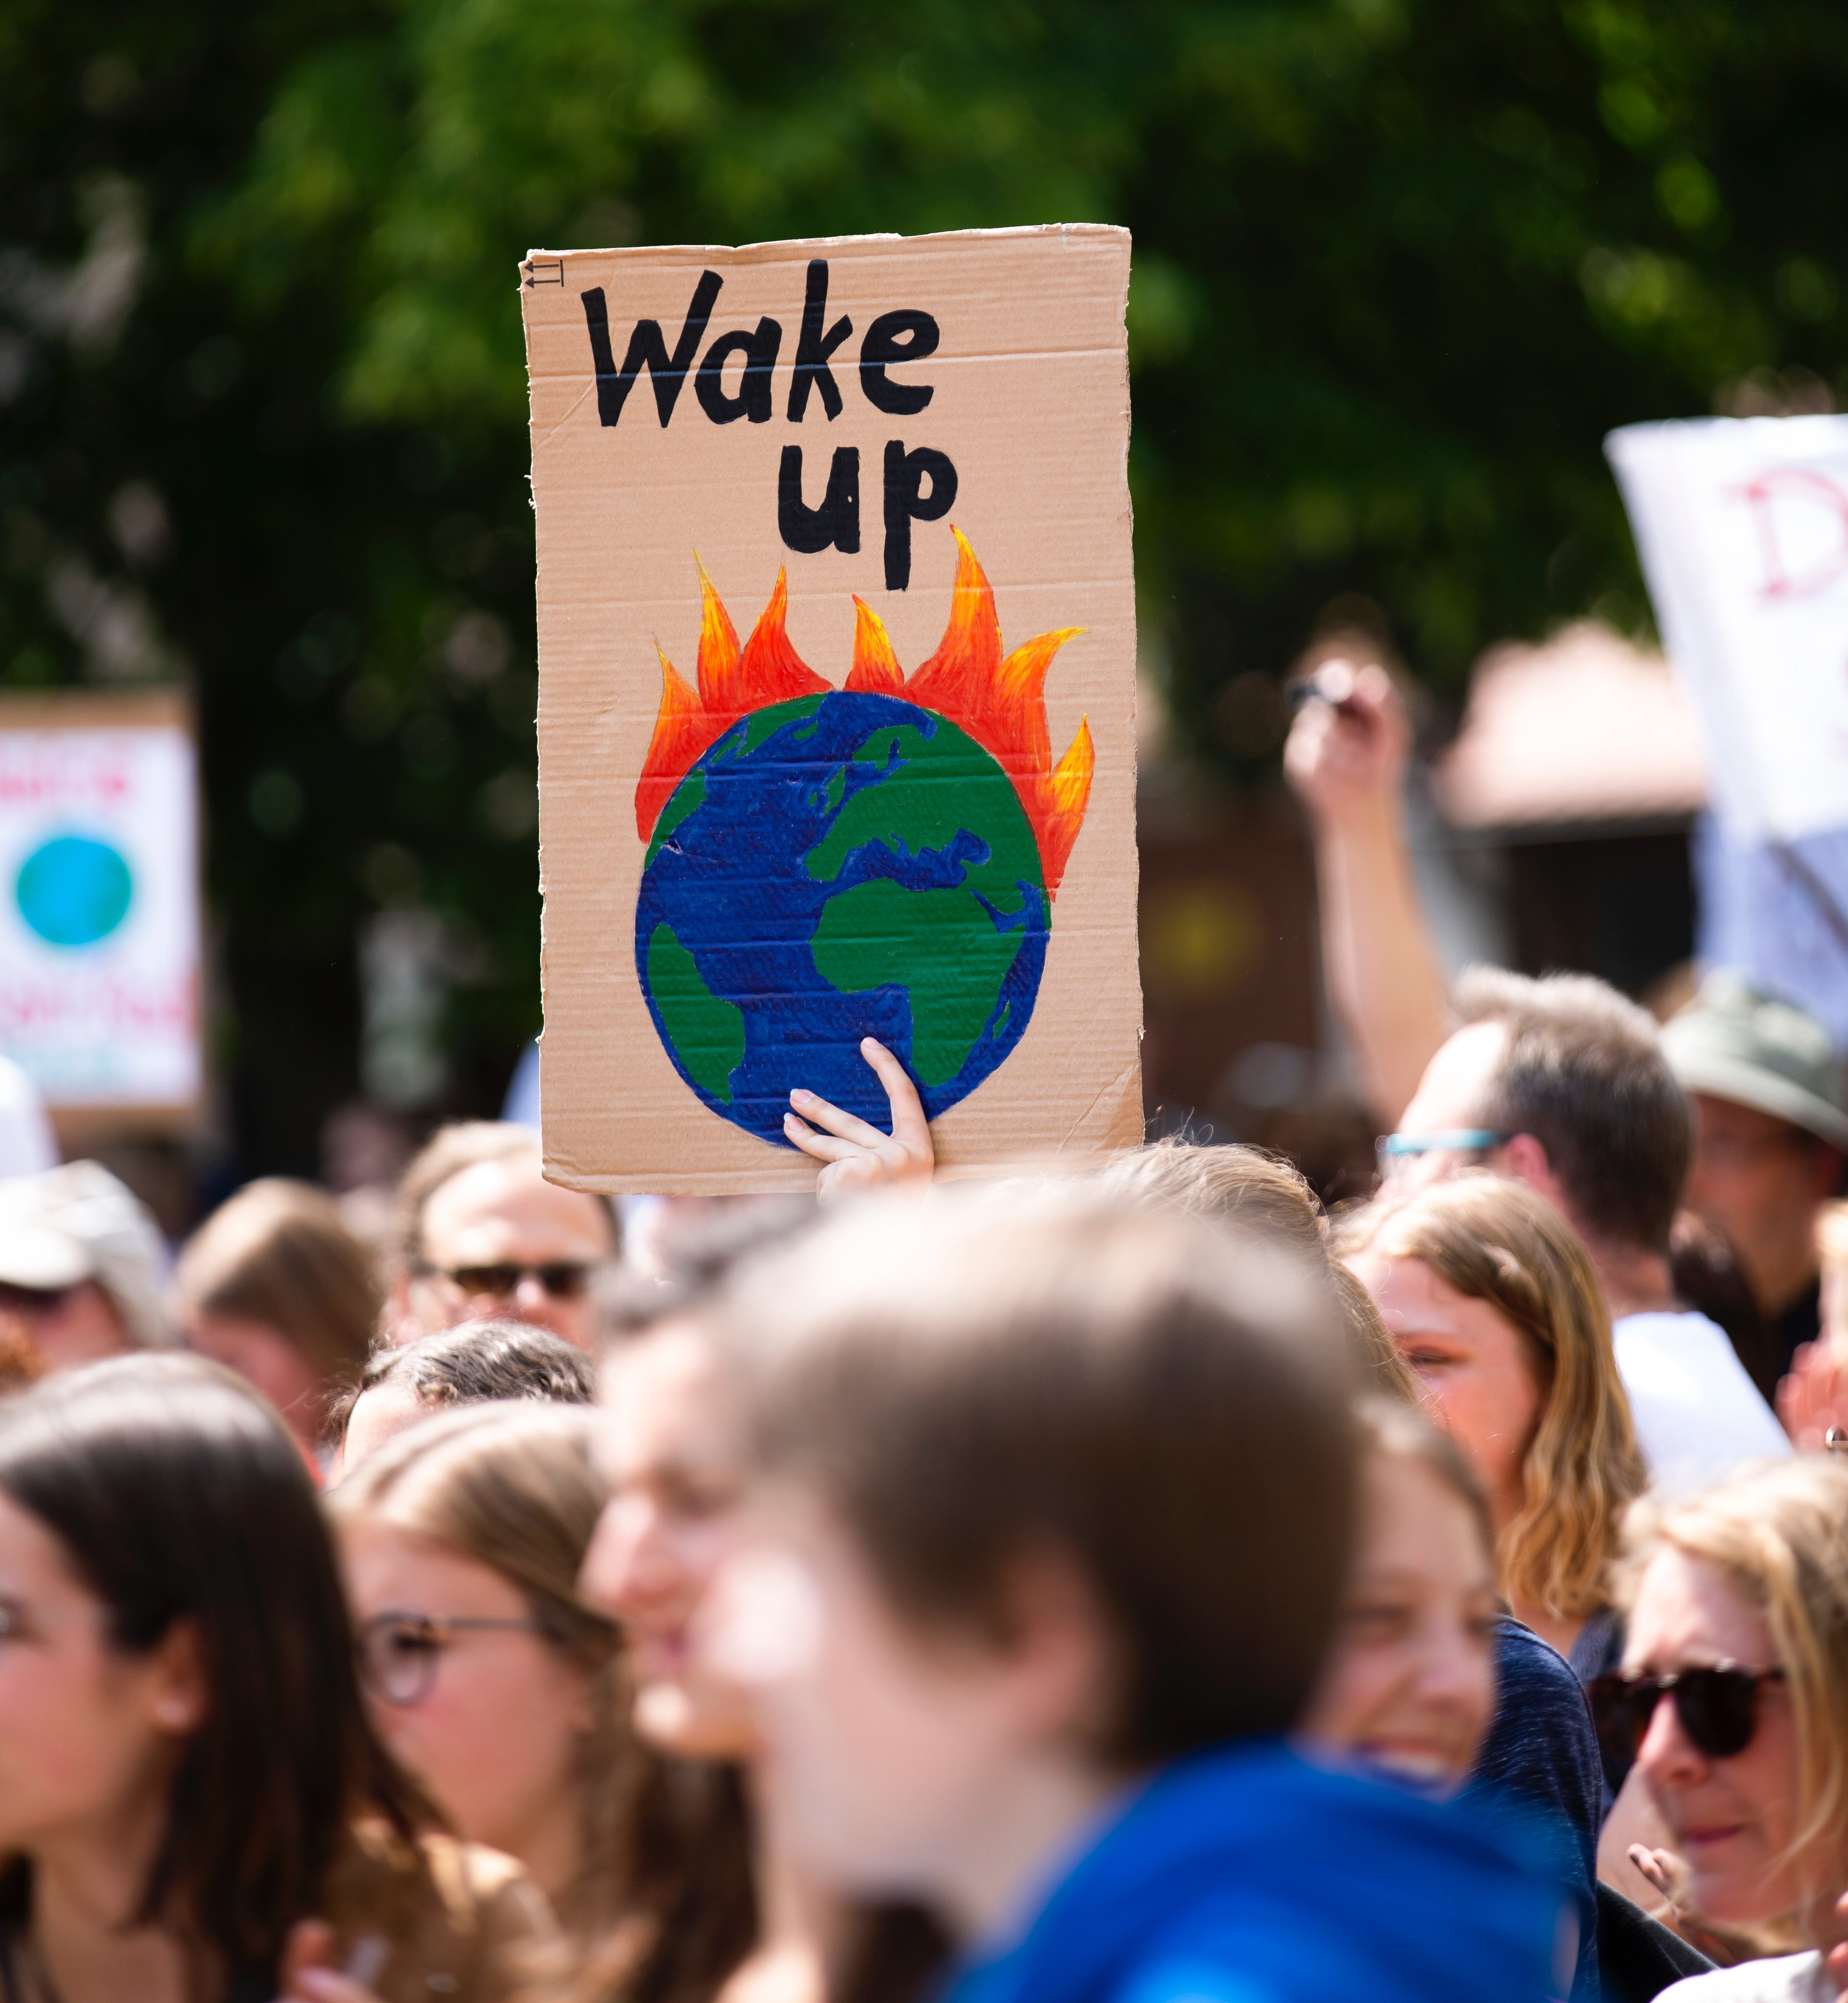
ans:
(1733, 1704)
(489, 1680)
(193, 1807)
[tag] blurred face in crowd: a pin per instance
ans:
(1759, 1181)
(672, 1452)
(490, 1718)
(90, 1737)
(1449, 1099)
(1731, 1820)
(270, 1361)
(1410, 1682)
(499, 1239)
(64, 1327)
(903, 1760)
(1474, 1368)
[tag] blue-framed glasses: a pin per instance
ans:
(1393, 1151)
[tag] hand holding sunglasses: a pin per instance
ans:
(1717, 1709)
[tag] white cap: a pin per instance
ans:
(78, 1223)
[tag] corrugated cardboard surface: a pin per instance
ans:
(1031, 402)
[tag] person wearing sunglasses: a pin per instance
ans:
(1731, 1706)
(487, 1677)
(480, 1233)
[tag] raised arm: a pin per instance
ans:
(1346, 759)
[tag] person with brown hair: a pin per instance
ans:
(480, 1233)
(1051, 1521)
(1732, 1703)
(1257, 1192)
(1409, 1685)
(274, 1286)
(1561, 1083)
(192, 1806)
(490, 1679)
(475, 1363)
(1494, 1306)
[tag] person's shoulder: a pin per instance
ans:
(1790, 1978)
(1525, 1662)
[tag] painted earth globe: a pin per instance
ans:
(843, 865)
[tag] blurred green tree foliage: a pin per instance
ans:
(1399, 264)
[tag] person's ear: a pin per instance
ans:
(180, 1694)
(1061, 1656)
(1524, 1157)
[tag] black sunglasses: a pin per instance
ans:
(1717, 1709)
(563, 1279)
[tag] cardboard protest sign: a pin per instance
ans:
(99, 927)
(836, 632)
(1742, 526)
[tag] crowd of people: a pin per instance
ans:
(1118, 1583)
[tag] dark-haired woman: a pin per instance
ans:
(192, 1806)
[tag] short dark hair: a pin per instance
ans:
(481, 1363)
(1582, 1072)
(177, 1494)
(1165, 1400)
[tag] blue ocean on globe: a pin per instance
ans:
(841, 866)
(73, 890)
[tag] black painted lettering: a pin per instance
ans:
(813, 347)
(836, 523)
(882, 347)
(646, 350)
(753, 400)
(906, 502)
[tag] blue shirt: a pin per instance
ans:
(1542, 1752)
(1246, 1875)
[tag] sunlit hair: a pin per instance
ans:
(512, 1486)
(1497, 1241)
(1779, 1533)
(1231, 1185)
(1272, 1199)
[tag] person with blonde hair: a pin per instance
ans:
(1495, 1305)
(274, 1286)
(1732, 1703)
(488, 1678)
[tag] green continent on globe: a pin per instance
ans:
(942, 945)
(707, 1032)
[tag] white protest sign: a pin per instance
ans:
(1742, 527)
(99, 899)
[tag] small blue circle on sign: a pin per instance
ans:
(74, 890)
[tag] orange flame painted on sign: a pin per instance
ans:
(999, 700)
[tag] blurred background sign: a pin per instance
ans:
(99, 945)
(1742, 527)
